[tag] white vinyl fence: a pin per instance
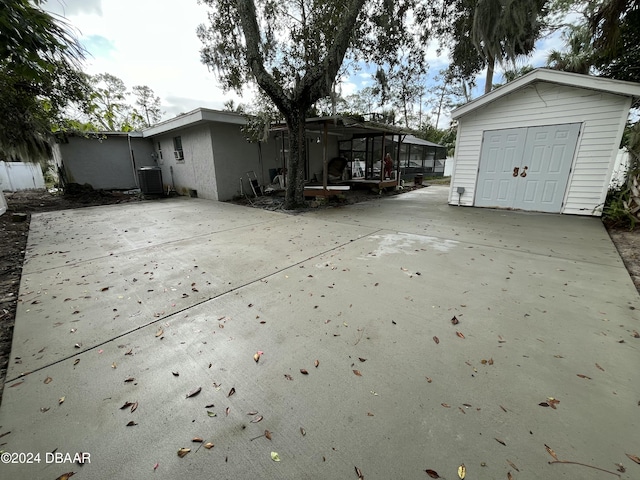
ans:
(20, 176)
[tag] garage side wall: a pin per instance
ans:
(603, 117)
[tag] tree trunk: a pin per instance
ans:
(491, 64)
(294, 196)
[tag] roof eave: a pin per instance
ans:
(616, 87)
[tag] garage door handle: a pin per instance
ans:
(524, 171)
(515, 171)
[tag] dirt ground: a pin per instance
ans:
(13, 239)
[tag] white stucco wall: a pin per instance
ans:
(603, 116)
(196, 171)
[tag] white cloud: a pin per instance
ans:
(73, 7)
(148, 42)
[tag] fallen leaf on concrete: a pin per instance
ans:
(61, 400)
(599, 367)
(583, 376)
(620, 468)
(503, 409)
(212, 414)
(267, 434)
(303, 431)
(126, 405)
(231, 392)
(104, 289)
(369, 414)
(635, 458)
(436, 339)
(77, 361)
(114, 366)
(183, 451)
(635, 334)
(197, 440)
(155, 467)
(131, 424)
(208, 445)
(509, 476)
(551, 452)
(159, 333)
(462, 471)
(66, 476)
(552, 402)
(358, 472)
(460, 334)
(288, 377)
(513, 466)
(432, 473)
(48, 380)
(362, 359)
(357, 372)
(257, 419)
(275, 457)
(256, 357)
(445, 405)
(544, 404)
(44, 409)
(303, 371)
(134, 407)
(194, 392)
(500, 441)
(316, 363)
(455, 321)
(226, 411)
(129, 380)
(429, 380)
(175, 374)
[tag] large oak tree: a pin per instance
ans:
(293, 50)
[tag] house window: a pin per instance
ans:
(177, 149)
(159, 150)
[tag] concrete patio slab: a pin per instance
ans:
(544, 308)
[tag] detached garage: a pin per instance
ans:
(546, 142)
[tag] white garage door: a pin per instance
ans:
(526, 168)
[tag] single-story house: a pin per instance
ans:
(545, 142)
(205, 153)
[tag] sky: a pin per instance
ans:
(154, 43)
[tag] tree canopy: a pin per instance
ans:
(294, 49)
(39, 77)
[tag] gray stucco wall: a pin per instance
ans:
(105, 163)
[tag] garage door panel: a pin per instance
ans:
(546, 152)
(501, 151)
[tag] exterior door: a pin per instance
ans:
(526, 168)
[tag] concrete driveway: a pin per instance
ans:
(397, 336)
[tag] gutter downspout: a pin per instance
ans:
(133, 162)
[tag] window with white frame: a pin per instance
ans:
(177, 149)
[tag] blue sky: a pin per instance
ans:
(153, 43)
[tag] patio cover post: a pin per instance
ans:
(325, 162)
(383, 151)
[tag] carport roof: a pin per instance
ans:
(617, 87)
(339, 125)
